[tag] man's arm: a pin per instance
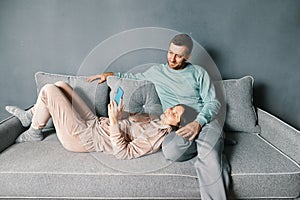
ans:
(211, 104)
(137, 76)
(101, 77)
(209, 111)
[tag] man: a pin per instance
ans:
(179, 81)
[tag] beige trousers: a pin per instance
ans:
(71, 116)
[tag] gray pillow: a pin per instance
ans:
(95, 95)
(240, 112)
(139, 95)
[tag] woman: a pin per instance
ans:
(80, 130)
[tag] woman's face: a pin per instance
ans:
(172, 115)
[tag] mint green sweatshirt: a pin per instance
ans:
(191, 86)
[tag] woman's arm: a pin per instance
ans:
(123, 148)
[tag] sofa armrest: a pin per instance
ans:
(281, 135)
(10, 129)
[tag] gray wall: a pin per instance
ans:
(244, 37)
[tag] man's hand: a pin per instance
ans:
(190, 131)
(101, 77)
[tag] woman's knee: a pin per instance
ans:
(61, 84)
(47, 88)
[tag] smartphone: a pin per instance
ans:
(119, 95)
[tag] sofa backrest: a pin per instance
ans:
(240, 115)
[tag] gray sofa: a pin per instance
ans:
(264, 161)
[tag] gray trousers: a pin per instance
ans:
(211, 165)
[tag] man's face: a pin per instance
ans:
(177, 56)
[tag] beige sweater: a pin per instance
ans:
(130, 139)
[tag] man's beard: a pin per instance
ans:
(181, 66)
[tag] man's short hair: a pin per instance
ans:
(183, 40)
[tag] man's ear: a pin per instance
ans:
(188, 56)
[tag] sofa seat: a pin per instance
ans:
(260, 170)
(46, 170)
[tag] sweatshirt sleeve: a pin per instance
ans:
(146, 75)
(211, 104)
(123, 149)
(137, 76)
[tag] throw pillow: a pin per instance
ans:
(95, 95)
(139, 95)
(240, 112)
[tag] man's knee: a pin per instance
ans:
(210, 142)
(178, 149)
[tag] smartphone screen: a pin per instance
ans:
(119, 95)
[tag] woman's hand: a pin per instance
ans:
(115, 112)
(102, 77)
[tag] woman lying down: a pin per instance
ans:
(80, 130)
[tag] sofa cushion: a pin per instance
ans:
(139, 95)
(95, 95)
(240, 112)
